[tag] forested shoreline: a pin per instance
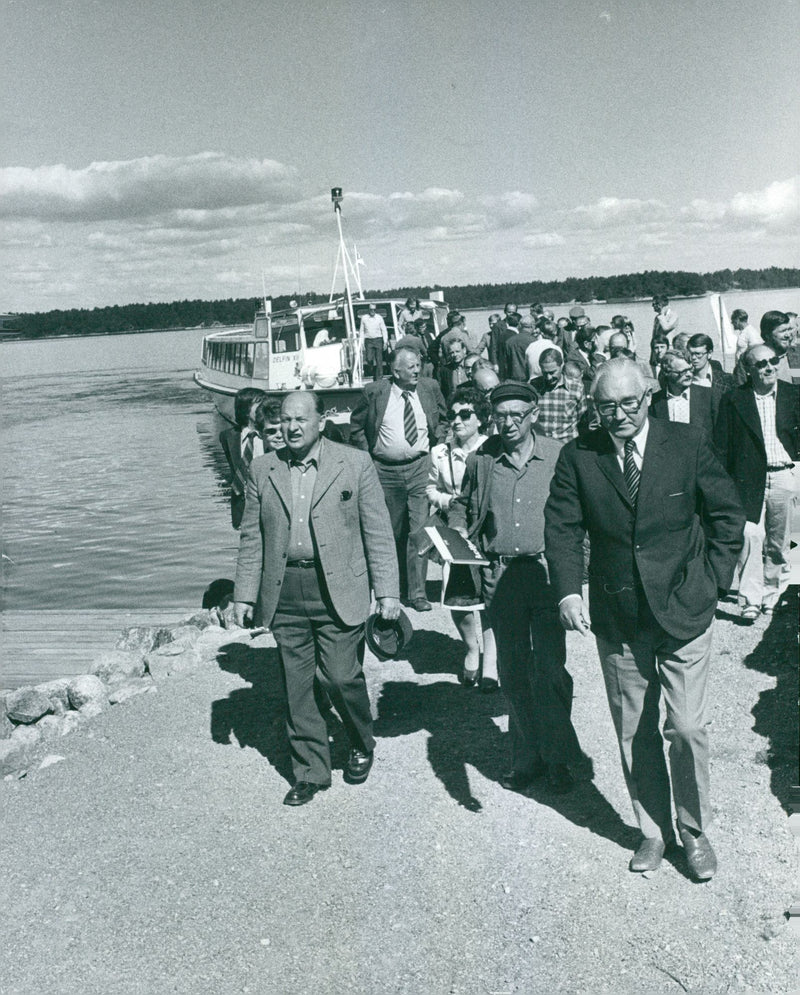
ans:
(120, 319)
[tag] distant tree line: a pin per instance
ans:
(189, 314)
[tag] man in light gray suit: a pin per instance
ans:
(315, 537)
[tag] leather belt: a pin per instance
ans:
(505, 560)
(303, 564)
(780, 466)
(399, 462)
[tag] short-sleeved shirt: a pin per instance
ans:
(514, 523)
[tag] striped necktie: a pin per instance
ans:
(631, 471)
(240, 477)
(409, 419)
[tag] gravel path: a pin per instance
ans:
(157, 857)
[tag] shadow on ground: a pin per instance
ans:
(775, 712)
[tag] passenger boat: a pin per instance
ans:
(313, 347)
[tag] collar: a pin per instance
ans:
(639, 440)
(503, 455)
(463, 451)
(769, 393)
(399, 391)
(684, 394)
(311, 458)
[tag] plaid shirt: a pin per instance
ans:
(559, 408)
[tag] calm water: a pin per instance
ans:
(112, 473)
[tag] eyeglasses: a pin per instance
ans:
(464, 414)
(629, 405)
(678, 373)
(516, 416)
(762, 364)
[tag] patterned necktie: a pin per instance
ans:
(240, 481)
(409, 419)
(631, 471)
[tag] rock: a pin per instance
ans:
(50, 759)
(124, 692)
(226, 617)
(207, 646)
(143, 638)
(93, 708)
(70, 722)
(162, 663)
(27, 705)
(201, 619)
(16, 751)
(58, 693)
(6, 726)
(50, 726)
(118, 665)
(185, 635)
(85, 690)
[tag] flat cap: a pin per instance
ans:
(513, 390)
(577, 312)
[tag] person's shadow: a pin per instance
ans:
(775, 712)
(462, 732)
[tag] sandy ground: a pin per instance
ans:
(157, 857)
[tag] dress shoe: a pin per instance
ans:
(702, 859)
(489, 685)
(302, 793)
(559, 779)
(421, 605)
(359, 764)
(519, 780)
(648, 856)
(468, 678)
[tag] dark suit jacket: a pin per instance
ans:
(721, 383)
(367, 416)
(740, 441)
(230, 440)
(349, 522)
(511, 360)
(699, 407)
(680, 544)
(497, 335)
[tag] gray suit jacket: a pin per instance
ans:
(349, 522)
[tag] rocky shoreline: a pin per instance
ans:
(34, 718)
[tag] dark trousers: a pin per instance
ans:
(373, 358)
(531, 663)
(314, 643)
(404, 490)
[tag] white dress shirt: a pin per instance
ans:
(678, 407)
(258, 442)
(391, 443)
(639, 442)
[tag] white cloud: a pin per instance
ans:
(776, 207)
(608, 211)
(543, 239)
(142, 187)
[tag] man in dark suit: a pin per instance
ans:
(758, 437)
(315, 538)
(500, 331)
(240, 445)
(511, 353)
(665, 528)
(397, 421)
(707, 372)
(682, 400)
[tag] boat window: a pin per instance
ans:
(285, 335)
(384, 309)
(320, 329)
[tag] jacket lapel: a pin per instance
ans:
(330, 466)
(281, 480)
(608, 464)
(381, 403)
(746, 406)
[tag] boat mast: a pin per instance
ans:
(347, 268)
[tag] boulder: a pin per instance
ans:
(118, 665)
(85, 691)
(27, 705)
(58, 693)
(161, 663)
(123, 692)
(70, 722)
(17, 750)
(202, 619)
(226, 617)
(207, 646)
(51, 726)
(185, 635)
(143, 638)
(6, 726)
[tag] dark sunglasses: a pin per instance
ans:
(464, 414)
(762, 364)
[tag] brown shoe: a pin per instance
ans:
(702, 859)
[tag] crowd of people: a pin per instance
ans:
(563, 456)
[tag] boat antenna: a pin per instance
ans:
(343, 256)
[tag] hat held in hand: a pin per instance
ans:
(388, 638)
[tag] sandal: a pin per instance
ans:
(750, 613)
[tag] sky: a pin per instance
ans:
(155, 150)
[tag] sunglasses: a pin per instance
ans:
(464, 414)
(762, 364)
